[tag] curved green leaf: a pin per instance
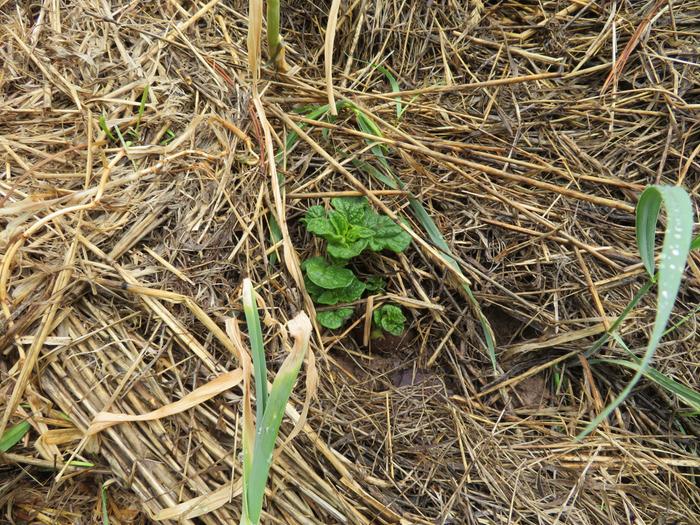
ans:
(347, 250)
(394, 87)
(689, 396)
(354, 208)
(314, 212)
(387, 234)
(674, 252)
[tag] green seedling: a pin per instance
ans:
(132, 132)
(259, 442)
(674, 252)
(142, 108)
(350, 228)
(387, 177)
(388, 318)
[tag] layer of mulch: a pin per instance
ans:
(526, 129)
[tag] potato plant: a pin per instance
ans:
(350, 228)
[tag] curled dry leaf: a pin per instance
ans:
(199, 395)
(201, 505)
(300, 329)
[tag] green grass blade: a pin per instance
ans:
(314, 113)
(103, 126)
(125, 144)
(611, 333)
(268, 428)
(689, 396)
(13, 435)
(311, 113)
(275, 236)
(377, 174)
(142, 108)
(170, 136)
(368, 126)
(250, 308)
(81, 464)
(394, 87)
(426, 222)
(674, 252)
(695, 245)
(105, 513)
(687, 317)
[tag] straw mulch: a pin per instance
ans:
(117, 253)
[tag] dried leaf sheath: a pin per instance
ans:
(205, 392)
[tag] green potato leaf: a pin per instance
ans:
(387, 235)
(374, 283)
(334, 319)
(340, 223)
(323, 228)
(352, 226)
(347, 250)
(350, 293)
(359, 232)
(354, 208)
(389, 318)
(314, 212)
(321, 223)
(326, 275)
(312, 289)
